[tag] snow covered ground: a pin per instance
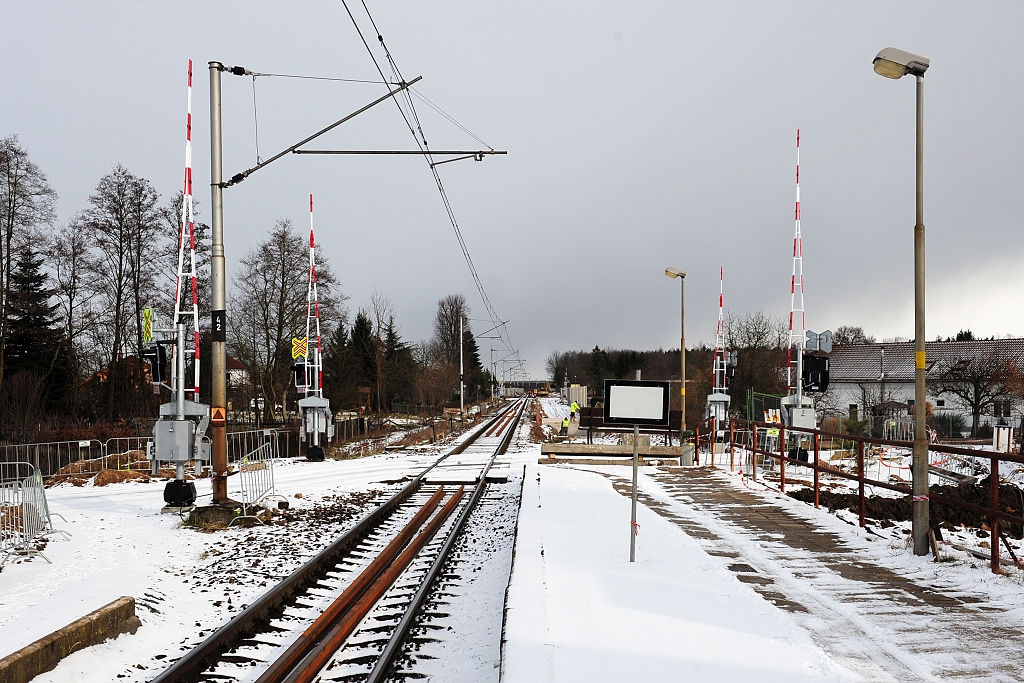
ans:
(577, 610)
(580, 611)
(185, 582)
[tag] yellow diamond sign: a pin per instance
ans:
(147, 325)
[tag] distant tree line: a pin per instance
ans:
(758, 338)
(72, 298)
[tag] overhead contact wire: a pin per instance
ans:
(422, 144)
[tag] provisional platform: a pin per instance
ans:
(738, 583)
(578, 610)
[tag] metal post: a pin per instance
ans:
(860, 484)
(218, 282)
(462, 384)
(713, 439)
(682, 352)
(782, 458)
(993, 521)
(732, 446)
(817, 462)
(920, 460)
(753, 452)
(179, 370)
(632, 519)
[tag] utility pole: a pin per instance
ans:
(462, 384)
(919, 478)
(218, 281)
(895, 64)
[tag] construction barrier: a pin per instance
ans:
(50, 457)
(256, 476)
(127, 452)
(24, 513)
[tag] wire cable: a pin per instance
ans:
(256, 121)
(324, 78)
(449, 117)
(424, 147)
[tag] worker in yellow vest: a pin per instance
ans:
(565, 428)
(574, 410)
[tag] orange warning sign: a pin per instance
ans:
(218, 415)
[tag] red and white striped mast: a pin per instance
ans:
(313, 318)
(797, 321)
(188, 277)
(720, 354)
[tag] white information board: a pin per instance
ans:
(636, 402)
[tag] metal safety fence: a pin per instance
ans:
(127, 453)
(52, 457)
(241, 444)
(871, 463)
(256, 477)
(88, 457)
(24, 514)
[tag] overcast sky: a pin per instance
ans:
(640, 135)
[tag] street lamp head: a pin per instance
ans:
(675, 272)
(894, 63)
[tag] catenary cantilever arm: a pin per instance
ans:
(239, 177)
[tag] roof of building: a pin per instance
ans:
(894, 361)
(232, 363)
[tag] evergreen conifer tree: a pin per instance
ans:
(33, 340)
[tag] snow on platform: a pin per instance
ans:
(579, 611)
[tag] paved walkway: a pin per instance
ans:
(873, 620)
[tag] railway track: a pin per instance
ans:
(347, 614)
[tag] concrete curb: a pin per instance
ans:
(108, 621)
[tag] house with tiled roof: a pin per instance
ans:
(868, 377)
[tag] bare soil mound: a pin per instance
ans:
(109, 476)
(1011, 500)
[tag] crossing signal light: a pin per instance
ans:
(156, 356)
(299, 375)
(815, 374)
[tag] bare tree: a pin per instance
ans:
(71, 262)
(976, 383)
(122, 222)
(760, 340)
(847, 334)
(26, 202)
(382, 314)
(434, 376)
(268, 308)
(450, 310)
(757, 330)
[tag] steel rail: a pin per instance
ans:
(385, 663)
(190, 666)
(309, 668)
